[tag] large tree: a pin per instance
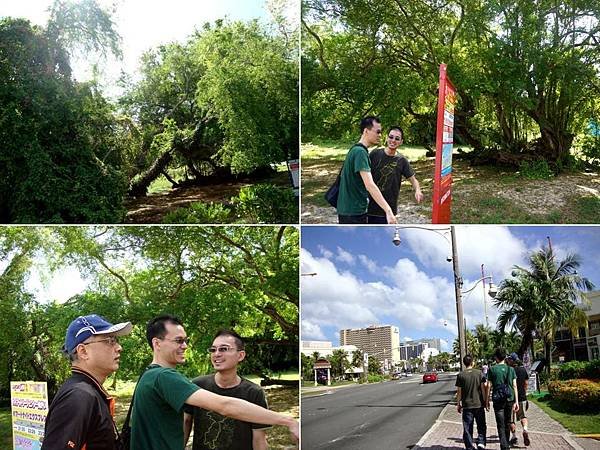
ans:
(542, 297)
(223, 102)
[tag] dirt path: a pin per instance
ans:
(480, 195)
(153, 208)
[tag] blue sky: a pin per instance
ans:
(363, 279)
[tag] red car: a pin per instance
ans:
(430, 377)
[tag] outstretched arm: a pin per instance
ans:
(377, 196)
(241, 410)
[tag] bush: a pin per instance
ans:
(200, 213)
(536, 170)
(581, 392)
(375, 378)
(266, 203)
(590, 148)
(579, 369)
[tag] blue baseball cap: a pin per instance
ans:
(514, 356)
(85, 326)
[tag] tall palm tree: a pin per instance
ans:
(541, 298)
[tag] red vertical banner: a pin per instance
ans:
(442, 180)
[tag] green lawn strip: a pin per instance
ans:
(5, 428)
(570, 417)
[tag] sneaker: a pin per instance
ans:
(480, 447)
(526, 438)
(513, 442)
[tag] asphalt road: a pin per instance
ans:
(389, 415)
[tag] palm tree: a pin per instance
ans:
(473, 346)
(483, 334)
(541, 298)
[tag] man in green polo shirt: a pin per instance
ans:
(501, 375)
(161, 393)
(356, 181)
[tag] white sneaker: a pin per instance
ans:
(481, 446)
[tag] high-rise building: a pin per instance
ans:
(412, 350)
(380, 341)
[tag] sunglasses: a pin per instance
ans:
(395, 138)
(222, 349)
(111, 341)
(178, 341)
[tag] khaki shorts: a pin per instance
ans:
(520, 414)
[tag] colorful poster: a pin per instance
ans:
(294, 171)
(442, 182)
(29, 408)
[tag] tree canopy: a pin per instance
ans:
(240, 278)
(221, 103)
(524, 71)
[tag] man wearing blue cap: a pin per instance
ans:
(522, 376)
(81, 414)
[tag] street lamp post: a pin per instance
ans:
(457, 280)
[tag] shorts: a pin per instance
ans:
(520, 414)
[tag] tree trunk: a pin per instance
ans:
(139, 187)
(556, 143)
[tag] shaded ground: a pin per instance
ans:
(480, 194)
(153, 208)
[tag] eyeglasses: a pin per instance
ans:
(222, 349)
(178, 341)
(111, 341)
(395, 138)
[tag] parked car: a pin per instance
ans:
(430, 377)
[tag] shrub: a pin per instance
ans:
(581, 392)
(375, 378)
(266, 203)
(590, 148)
(536, 170)
(200, 213)
(579, 369)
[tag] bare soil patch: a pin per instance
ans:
(480, 195)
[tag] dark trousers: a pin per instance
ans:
(503, 414)
(376, 219)
(352, 219)
(469, 416)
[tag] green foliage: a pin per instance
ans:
(266, 203)
(231, 91)
(240, 278)
(375, 377)
(536, 170)
(589, 146)
(579, 369)
(518, 80)
(200, 213)
(582, 393)
(59, 162)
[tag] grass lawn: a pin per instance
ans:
(5, 428)
(572, 419)
(480, 194)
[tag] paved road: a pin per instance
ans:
(390, 415)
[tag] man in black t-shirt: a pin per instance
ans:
(522, 377)
(472, 396)
(388, 167)
(211, 430)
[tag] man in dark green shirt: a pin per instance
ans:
(472, 397)
(157, 414)
(502, 375)
(356, 182)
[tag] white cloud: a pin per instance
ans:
(494, 246)
(344, 256)
(325, 252)
(312, 332)
(368, 263)
(411, 300)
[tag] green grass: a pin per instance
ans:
(5, 428)
(571, 418)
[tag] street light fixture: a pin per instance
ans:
(458, 281)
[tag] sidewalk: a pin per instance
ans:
(545, 433)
